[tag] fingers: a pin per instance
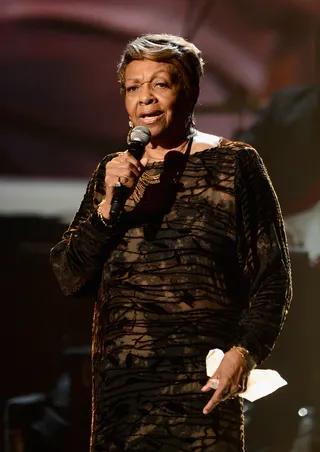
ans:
(212, 383)
(223, 391)
(243, 384)
(123, 169)
(232, 374)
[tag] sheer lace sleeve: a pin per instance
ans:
(77, 260)
(263, 255)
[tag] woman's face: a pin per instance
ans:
(155, 99)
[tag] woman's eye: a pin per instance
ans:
(131, 89)
(161, 84)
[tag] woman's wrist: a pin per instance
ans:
(102, 213)
(101, 220)
(246, 355)
(103, 210)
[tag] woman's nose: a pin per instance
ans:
(146, 96)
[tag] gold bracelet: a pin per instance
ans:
(102, 218)
(245, 355)
(243, 351)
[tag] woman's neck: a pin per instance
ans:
(157, 149)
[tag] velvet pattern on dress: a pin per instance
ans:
(193, 266)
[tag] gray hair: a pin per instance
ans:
(185, 58)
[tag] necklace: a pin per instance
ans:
(144, 181)
(153, 176)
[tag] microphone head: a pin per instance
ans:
(141, 134)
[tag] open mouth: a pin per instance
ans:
(149, 118)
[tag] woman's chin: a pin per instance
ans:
(156, 132)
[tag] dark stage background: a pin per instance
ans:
(60, 113)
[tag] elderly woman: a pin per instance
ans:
(196, 260)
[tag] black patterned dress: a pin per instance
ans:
(195, 265)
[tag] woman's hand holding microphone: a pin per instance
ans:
(123, 169)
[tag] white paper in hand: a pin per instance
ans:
(261, 382)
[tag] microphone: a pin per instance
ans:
(139, 138)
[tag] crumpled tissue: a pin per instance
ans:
(261, 382)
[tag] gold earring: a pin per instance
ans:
(130, 130)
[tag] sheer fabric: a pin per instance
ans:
(193, 266)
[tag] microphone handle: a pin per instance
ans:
(121, 194)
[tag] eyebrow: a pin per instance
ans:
(136, 79)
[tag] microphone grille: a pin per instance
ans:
(140, 133)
